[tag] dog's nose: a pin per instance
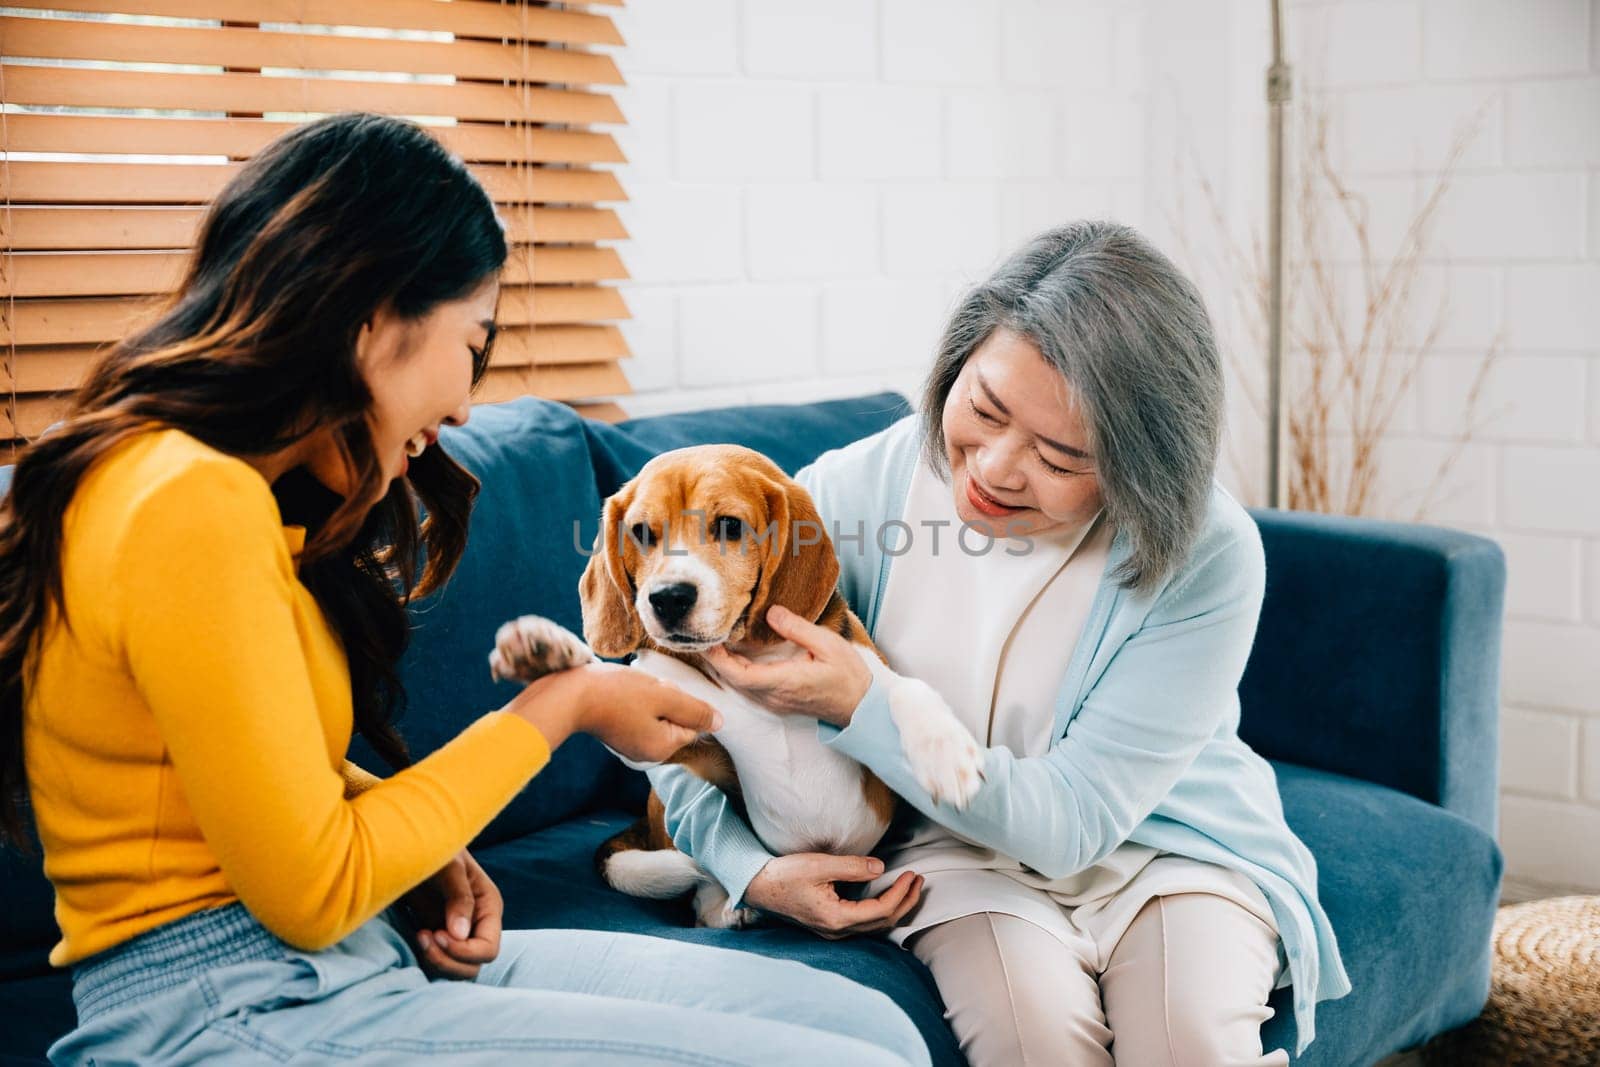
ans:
(672, 602)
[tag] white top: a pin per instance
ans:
(992, 632)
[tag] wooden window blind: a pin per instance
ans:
(121, 118)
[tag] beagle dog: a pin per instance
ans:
(691, 553)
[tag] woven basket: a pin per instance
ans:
(1544, 998)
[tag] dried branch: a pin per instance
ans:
(1359, 362)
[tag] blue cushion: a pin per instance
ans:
(549, 882)
(1411, 890)
(1382, 641)
(28, 928)
(791, 435)
(34, 1013)
(533, 461)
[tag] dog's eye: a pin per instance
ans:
(639, 533)
(728, 528)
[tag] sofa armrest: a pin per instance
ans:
(1378, 656)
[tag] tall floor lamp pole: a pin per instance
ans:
(1278, 93)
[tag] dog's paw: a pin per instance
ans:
(713, 908)
(530, 647)
(946, 759)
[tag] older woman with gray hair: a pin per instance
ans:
(1047, 546)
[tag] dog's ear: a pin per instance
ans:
(611, 626)
(800, 570)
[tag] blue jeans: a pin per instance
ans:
(216, 986)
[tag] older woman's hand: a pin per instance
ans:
(827, 680)
(802, 888)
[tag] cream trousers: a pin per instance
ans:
(1186, 985)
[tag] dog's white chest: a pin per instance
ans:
(801, 795)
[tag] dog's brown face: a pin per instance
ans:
(696, 547)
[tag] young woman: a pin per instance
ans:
(1123, 882)
(203, 573)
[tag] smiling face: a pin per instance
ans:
(1016, 444)
(420, 374)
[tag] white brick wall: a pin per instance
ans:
(1009, 133)
(817, 39)
(683, 37)
(881, 132)
(1516, 249)
(747, 333)
(1397, 128)
(1550, 842)
(1513, 216)
(1540, 753)
(1554, 123)
(760, 132)
(1551, 665)
(939, 230)
(1505, 38)
(881, 325)
(1373, 42)
(1543, 576)
(1548, 488)
(1050, 43)
(1553, 305)
(1592, 569)
(811, 182)
(812, 231)
(1591, 760)
(940, 42)
(1532, 399)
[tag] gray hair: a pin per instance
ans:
(1129, 334)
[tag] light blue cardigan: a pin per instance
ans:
(1147, 718)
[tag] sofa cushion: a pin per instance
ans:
(28, 928)
(1384, 638)
(34, 1013)
(533, 462)
(1411, 890)
(791, 435)
(549, 882)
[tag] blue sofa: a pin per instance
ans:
(1372, 687)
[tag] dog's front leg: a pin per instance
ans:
(945, 758)
(532, 646)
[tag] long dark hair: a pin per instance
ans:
(255, 352)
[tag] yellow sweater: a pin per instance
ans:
(185, 741)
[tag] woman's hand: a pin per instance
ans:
(827, 681)
(801, 888)
(457, 915)
(636, 714)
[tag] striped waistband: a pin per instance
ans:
(170, 955)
